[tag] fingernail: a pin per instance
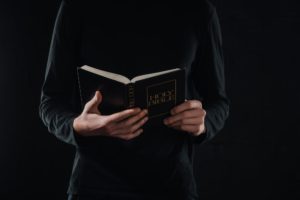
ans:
(146, 118)
(146, 111)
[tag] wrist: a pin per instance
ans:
(76, 125)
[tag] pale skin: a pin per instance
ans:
(127, 124)
(188, 116)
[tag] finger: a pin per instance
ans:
(130, 136)
(132, 120)
(92, 105)
(95, 107)
(188, 128)
(115, 125)
(183, 115)
(188, 121)
(119, 116)
(132, 128)
(189, 104)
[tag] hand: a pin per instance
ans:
(125, 124)
(188, 116)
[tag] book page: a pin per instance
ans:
(106, 74)
(145, 76)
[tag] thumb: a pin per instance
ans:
(92, 105)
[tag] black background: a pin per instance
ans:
(254, 157)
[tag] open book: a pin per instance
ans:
(157, 91)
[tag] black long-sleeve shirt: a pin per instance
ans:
(132, 39)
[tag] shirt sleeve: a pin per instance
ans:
(208, 77)
(59, 101)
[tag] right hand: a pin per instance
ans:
(125, 124)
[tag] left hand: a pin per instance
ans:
(188, 116)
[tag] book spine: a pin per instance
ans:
(79, 87)
(131, 101)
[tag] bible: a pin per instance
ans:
(158, 92)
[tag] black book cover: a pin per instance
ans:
(159, 92)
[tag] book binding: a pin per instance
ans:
(131, 100)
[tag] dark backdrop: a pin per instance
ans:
(255, 155)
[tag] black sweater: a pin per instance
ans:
(133, 39)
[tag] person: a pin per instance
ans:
(121, 156)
